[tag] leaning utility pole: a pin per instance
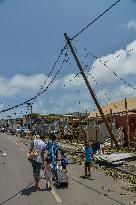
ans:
(127, 123)
(91, 90)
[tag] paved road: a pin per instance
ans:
(17, 185)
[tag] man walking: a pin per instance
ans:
(52, 148)
(37, 147)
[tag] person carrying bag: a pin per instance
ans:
(36, 156)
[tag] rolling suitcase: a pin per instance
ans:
(61, 178)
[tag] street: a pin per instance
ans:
(17, 184)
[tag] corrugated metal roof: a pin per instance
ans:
(117, 107)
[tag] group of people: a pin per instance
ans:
(44, 157)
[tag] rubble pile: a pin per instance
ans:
(131, 188)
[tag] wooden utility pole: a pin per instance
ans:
(79, 117)
(30, 117)
(135, 140)
(72, 127)
(90, 90)
(97, 128)
(127, 123)
(111, 119)
(86, 117)
(87, 127)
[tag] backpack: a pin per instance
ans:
(34, 152)
(64, 160)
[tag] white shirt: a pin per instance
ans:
(40, 145)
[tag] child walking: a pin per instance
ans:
(88, 153)
(48, 173)
(64, 161)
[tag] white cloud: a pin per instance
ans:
(123, 92)
(20, 84)
(132, 24)
(63, 99)
(118, 93)
(123, 65)
(102, 94)
(71, 81)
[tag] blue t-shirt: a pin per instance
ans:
(64, 160)
(88, 153)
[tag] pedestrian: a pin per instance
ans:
(88, 153)
(52, 148)
(96, 146)
(64, 161)
(48, 173)
(36, 156)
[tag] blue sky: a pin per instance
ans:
(31, 36)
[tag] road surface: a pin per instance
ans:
(17, 184)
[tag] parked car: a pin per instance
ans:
(25, 130)
(18, 130)
(2, 129)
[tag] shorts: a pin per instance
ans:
(63, 166)
(87, 164)
(36, 169)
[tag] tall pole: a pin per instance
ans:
(111, 119)
(127, 123)
(27, 125)
(86, 117)
(72, 127)
(97, 128)
(91, 90)
(87, 127)
(14, 126)
(29, 105)
(30, 117)
(79, 117)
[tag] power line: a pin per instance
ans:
(61, 52)
(85, 68)
(117, 56)
(109, 99)
(115, 74)
(114, 4)
(33, 98)
(66, 59)
(54, 65)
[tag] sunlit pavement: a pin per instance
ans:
(17, 185)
